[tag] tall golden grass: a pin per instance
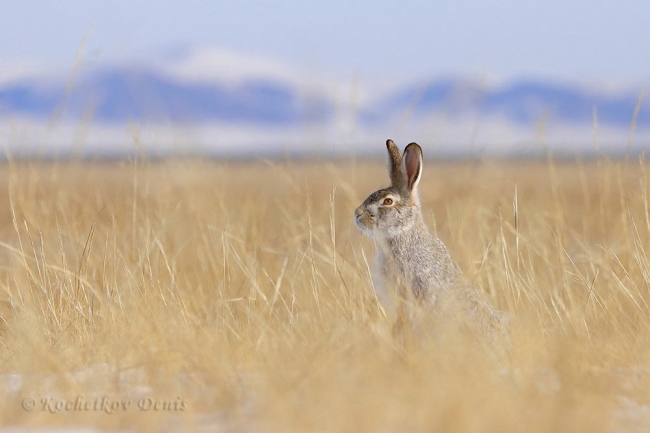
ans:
(245, 291)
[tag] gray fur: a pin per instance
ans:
(411, 261)
(394, 162)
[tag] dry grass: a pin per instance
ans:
(244, 290)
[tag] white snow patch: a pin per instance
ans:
(631, 417)
(12, 383)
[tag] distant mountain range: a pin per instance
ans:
(116, 95)
(523, 102)
(221, 103)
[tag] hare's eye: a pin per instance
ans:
(387, 201)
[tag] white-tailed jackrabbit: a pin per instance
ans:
(413, 264)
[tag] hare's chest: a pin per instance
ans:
(423, 265)
(390, 258)
(395, 267)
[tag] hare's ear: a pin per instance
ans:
(394, 164)
(412, 165)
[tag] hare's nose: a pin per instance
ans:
(358, 211)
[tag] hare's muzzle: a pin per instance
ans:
(361, 218)
(358, 213)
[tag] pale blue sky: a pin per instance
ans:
(576, 40)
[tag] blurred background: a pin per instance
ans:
(291, 78)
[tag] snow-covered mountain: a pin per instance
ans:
(523, 102)
(119, 95)
(260, 102)
(116, 95)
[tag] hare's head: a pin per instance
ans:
(396, 208)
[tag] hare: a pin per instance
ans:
(412, 263)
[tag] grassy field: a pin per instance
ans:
(238, 297)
